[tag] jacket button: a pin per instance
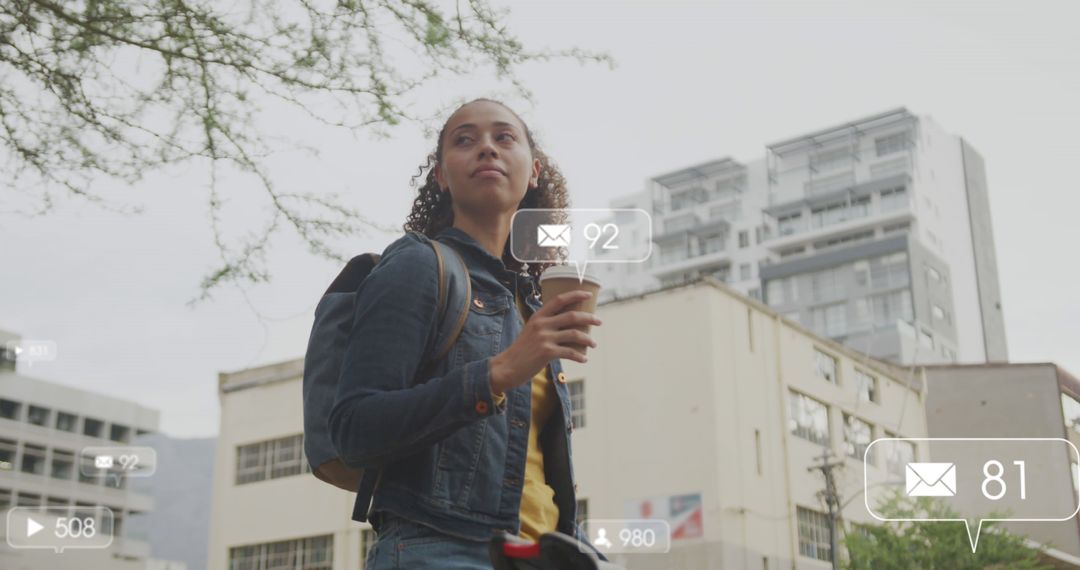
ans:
(479, 304)
(562, 377)
(481, 407)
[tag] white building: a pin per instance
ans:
(267, 506)
(699, 394)
(875, 233)
(43, 428)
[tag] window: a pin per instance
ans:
(367, 540)
(891, 143)
(896, 228)
(744, 239)
(287, 457)
(66, 421)
(119, 433)
(577, 402)
(38, 416)
(828, 214)
(745, 271)
(251, 463)
(857, 437)
(830, 183)
(889, 271)
(33, 459)
(844, 240)
(5, 498)
(755, 293)
(61, 502)
(712, 243)
(894, 199)
(774, 290)
(28, 500)
(867, 386)
(889, 168)
(899, 454)
(680, 223)
(814, 535)
(92, 427)
(1069, 406)
(938, 312)
(315, 553)
(10, 410)
(827, 285)
(8, 449)
(809, 418)
(830, 159)
(886, 308)
(825, 366)
(792, 252)
(729, 212)
(87, 471)
(829, 320)
(271, 459)
(63, 464)
(582, 517)
(789, 223)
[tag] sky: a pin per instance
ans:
(693, 82)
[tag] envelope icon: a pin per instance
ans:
(553, 235)
(103, 462)
(931, 479)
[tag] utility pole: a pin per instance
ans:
(832, 498)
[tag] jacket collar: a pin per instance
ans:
(469, 246)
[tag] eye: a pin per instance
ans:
(508, 135)
(462, 138)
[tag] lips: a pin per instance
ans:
(489, 168)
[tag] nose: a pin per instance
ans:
(487, 147)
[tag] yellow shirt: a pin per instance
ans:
(539, 513)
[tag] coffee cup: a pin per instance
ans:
(559, 279)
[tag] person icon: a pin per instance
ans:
(602, 539)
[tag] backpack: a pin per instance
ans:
(326, 350)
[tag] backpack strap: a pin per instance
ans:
(455, 292)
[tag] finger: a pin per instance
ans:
(574, 336)
(570, 319)
(562, 301)
(567, 353)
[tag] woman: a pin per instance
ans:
(483, 443)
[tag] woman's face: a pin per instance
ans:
(486, 165)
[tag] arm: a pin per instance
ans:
(378, 414)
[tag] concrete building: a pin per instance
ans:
(267, 507)
(875, 233)
(1015, 401)
(697, 391)
(43, 428)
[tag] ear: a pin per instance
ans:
(439, 177)
(535, 178)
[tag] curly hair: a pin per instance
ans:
(432, 211)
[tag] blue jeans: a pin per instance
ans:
(407, 545)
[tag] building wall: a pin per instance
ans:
(270, 406)
(985, 256)
(1009, 401)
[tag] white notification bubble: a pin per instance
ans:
(118, 462)
(59, 528)
(31, 351)
(981, 479)
(580, 236)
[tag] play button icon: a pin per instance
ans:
(32, 527)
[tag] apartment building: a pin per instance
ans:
(43, 428)
(875, 233)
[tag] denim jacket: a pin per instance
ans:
(452, 459)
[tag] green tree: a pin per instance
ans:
(114, 89)
(933, 545)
